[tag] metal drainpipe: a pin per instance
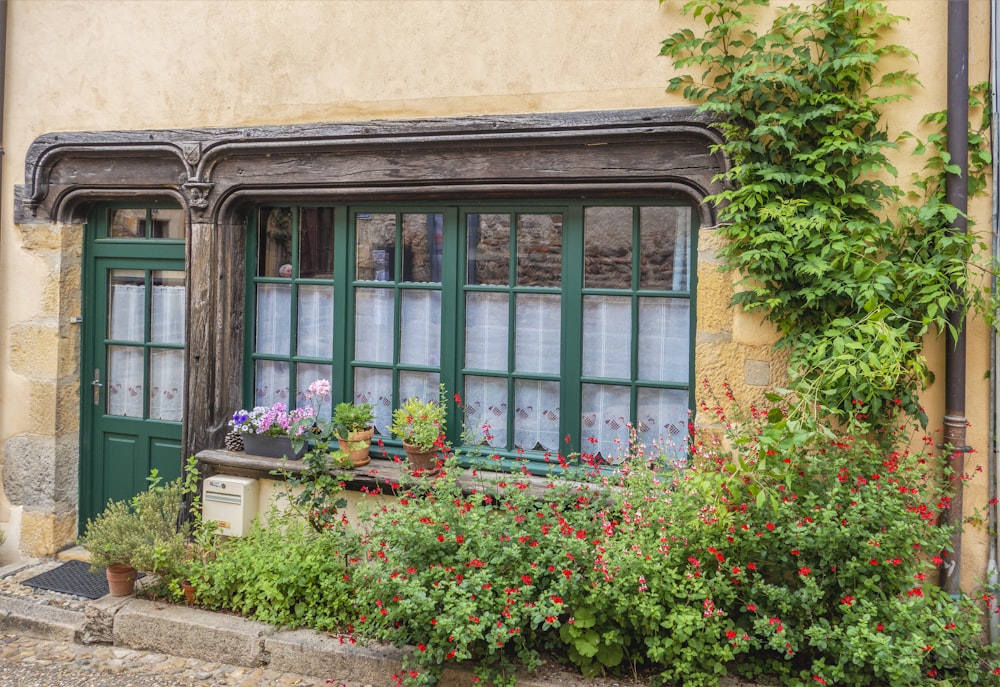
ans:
(992, 569)
(956, 190)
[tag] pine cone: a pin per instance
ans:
(234, 442)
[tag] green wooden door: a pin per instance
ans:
(132, 386)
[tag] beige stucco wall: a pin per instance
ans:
(93, 65)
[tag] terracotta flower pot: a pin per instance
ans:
(188, 590)
(359, 455)
(121, 579)
(421, 462)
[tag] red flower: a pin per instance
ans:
(804, 572)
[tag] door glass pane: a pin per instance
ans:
(488, 249)
(486, 331)
(127, 294)
(374, 313)
(420, 328)
(274, 312)
(375, 387)
(536, 415)
(315, 321)
(537, 336)
(423, 244)
(274, 242)
(166, 384)
(376, 248)
(125, 381)
(539, 250)
(127, 224)
(316, 243)
(664, 339)
(607, 253)
(167, 307)
(485, 407)
(662, 421)
(270, 382)
(607, 336)
(665, 242)
(604, 424)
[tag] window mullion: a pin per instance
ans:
(570, 390)
(452, 331)
(344, 245)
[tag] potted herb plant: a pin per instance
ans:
(141, 533)
(421, 425)
(352, 424)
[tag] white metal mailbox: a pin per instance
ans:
(231, 501)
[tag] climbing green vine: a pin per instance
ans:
(853, 268)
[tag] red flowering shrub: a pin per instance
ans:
(798, 554)
(485, 576)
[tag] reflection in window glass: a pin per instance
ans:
(607, 255)
(316, 243)
(665, 239)
(376, 246)
(151, 223)
(488, 258)
(423, 241)
(274, 243)
(539, 250)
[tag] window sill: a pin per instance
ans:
(381, 475)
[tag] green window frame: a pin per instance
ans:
(562, 323)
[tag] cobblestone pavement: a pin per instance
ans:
(31, 662)
(26, 662)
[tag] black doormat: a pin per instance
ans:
(72, 577)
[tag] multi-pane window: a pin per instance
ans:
(558, 325)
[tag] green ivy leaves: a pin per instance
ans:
(852, 269)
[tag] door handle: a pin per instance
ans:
(96, 384)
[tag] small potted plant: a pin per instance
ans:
(268, 431)
(141, 533)
(352, 424)
(421, 425)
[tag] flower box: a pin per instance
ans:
(271, 447)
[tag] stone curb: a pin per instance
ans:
(132, 623)
(19, 616)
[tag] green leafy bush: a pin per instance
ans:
(283, 574)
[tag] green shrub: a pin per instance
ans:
(283, 574)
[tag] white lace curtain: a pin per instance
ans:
(125, 385)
